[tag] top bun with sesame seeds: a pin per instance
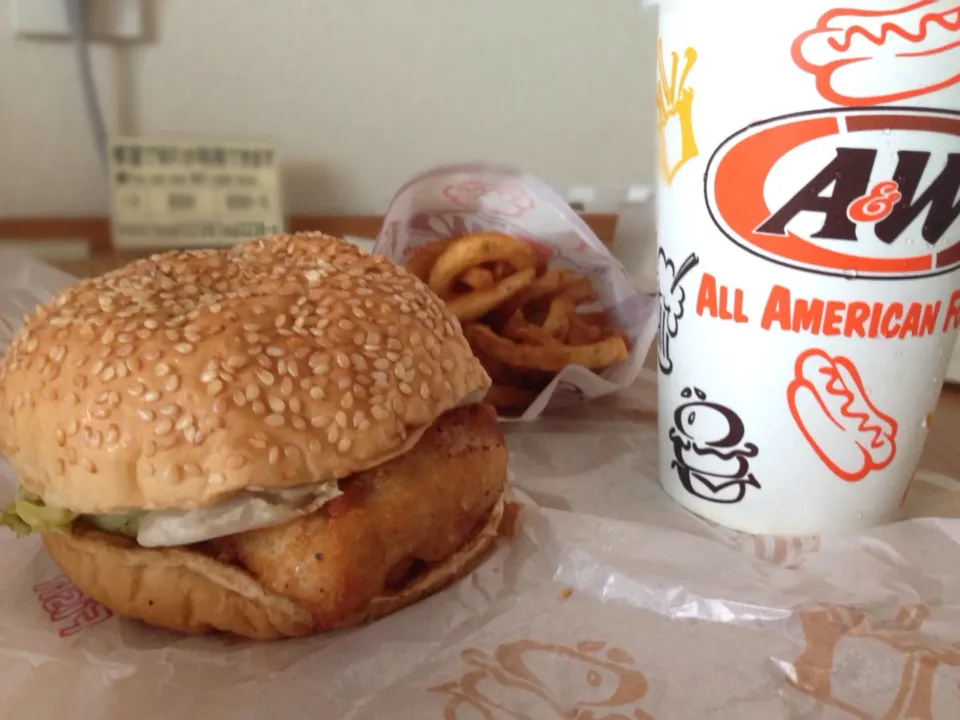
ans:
(192, 377)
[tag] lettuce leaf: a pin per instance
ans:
(121, 523)
(27, 513)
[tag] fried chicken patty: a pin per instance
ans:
(391, 522)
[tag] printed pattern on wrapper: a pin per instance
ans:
(68, 608)
(497, 683)
(925, 659)
(457, 200)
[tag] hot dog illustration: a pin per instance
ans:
(711, 459)
(869, 57)
(831, 408)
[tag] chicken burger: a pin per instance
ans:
(271, 440)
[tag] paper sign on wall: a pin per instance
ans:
(192, 193)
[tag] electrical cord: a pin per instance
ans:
(77, 13)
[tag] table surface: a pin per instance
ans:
(941, 454)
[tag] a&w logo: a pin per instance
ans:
(825, 193)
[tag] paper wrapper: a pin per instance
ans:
(460, 199)
(609, 602)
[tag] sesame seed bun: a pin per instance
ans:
(186, 591)
(182, 379)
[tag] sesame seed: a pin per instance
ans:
(252, 392)
(276, 404)
(161, 369)
(274, 351)
(258, 407)
(214, 387)
(61, 437)
(215, 479)
(151, 396)
(163, 427)
(184, 348)
(274, 420)
(344, 444)
(273, 457)
(265, 376)
(87, 465)
(172, 383)
(298, 422)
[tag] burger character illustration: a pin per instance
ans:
(709, 454)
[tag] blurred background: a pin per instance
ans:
(355, 97)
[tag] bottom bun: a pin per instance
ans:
(189, 592)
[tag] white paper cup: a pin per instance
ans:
(809, 243)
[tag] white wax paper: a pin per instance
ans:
(456, 200)
(610, 602)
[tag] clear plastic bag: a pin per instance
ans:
(459, 199)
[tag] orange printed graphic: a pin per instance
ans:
(67, 607)
(872, 57)
(591, 681)
(833, 318)
(738, 198)
(675, 113)
(876, 204)
(826, 626)
(830, 406)
(788, 552)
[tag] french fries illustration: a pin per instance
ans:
(677, 143)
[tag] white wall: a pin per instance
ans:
(357, 94)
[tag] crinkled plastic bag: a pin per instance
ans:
(457, 200)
